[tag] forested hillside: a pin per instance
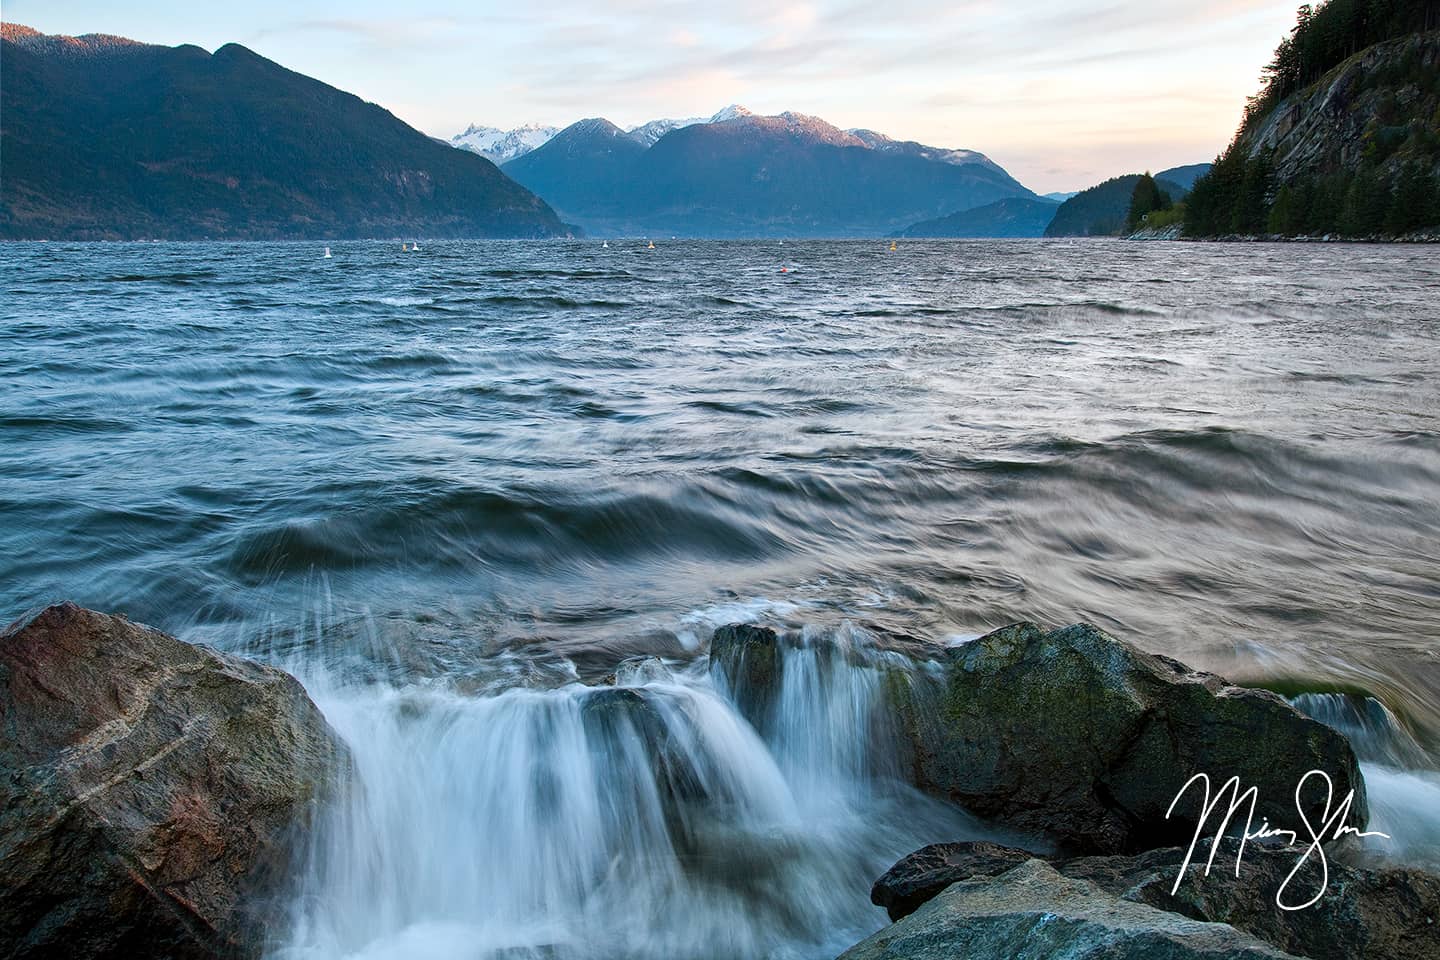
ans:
(1343, 137)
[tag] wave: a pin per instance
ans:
(440, 525)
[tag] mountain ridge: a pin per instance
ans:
(108, 138)
(744, 174)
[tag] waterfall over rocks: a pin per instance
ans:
(663, 816)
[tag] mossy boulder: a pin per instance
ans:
(746, 661)
(1087, 740)
(151, 791)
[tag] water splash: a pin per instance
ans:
(646, 819)
(1400, 779)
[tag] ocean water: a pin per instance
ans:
(453, 489)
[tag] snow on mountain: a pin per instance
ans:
(732, 112)
(503, 145)
(498, 146)
(89, 45)
(648, 133)
(878, 141)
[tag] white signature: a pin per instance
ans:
(1331, 828)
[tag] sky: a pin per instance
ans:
(1061, 94)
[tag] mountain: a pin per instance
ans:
(1011, 217)
(1101, 210)
(647, 133)
(1343, 137)
(1060, 196)
(739, 174)
(107, 138)
(580, 168)
(1184, 177)
(909, 148)
(497, 145)
(501, 146)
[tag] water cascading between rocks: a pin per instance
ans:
(721, 808)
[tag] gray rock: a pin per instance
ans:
(1365, 914)
(1081, 737)
(150, 790)
(1031, 911)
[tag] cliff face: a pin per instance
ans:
(1380, 107)
(1353, 151)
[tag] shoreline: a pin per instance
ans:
(1015, 711)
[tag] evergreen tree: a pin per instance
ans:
(1367, 199)
(1410, 205)
(1285, 216)
(1251, 211)
(1323, 217)
(1146, 198)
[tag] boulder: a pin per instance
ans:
(1031, 910)
(150, 790)
(1365, 913)
(1087, 740)
(746, 661)
(918, 877)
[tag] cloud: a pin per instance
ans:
(983, 74)
(387, 33)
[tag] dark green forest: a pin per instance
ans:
(1394, 188)
(1327, 35)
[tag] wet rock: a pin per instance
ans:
(1083, 738)
(150, 790)
(746, 660)
(919, 876)
(1364, 914)
(1031, 910)
(623, 721)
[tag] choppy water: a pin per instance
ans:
(442, 486)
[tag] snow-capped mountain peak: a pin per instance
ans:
(648, 133)
(503, 145)
(732, 112)
(498, 145)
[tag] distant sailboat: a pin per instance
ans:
(652, 245)
(327, 253)
(892, 246)
(415, 246)
(404, 247)
(604, 244)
